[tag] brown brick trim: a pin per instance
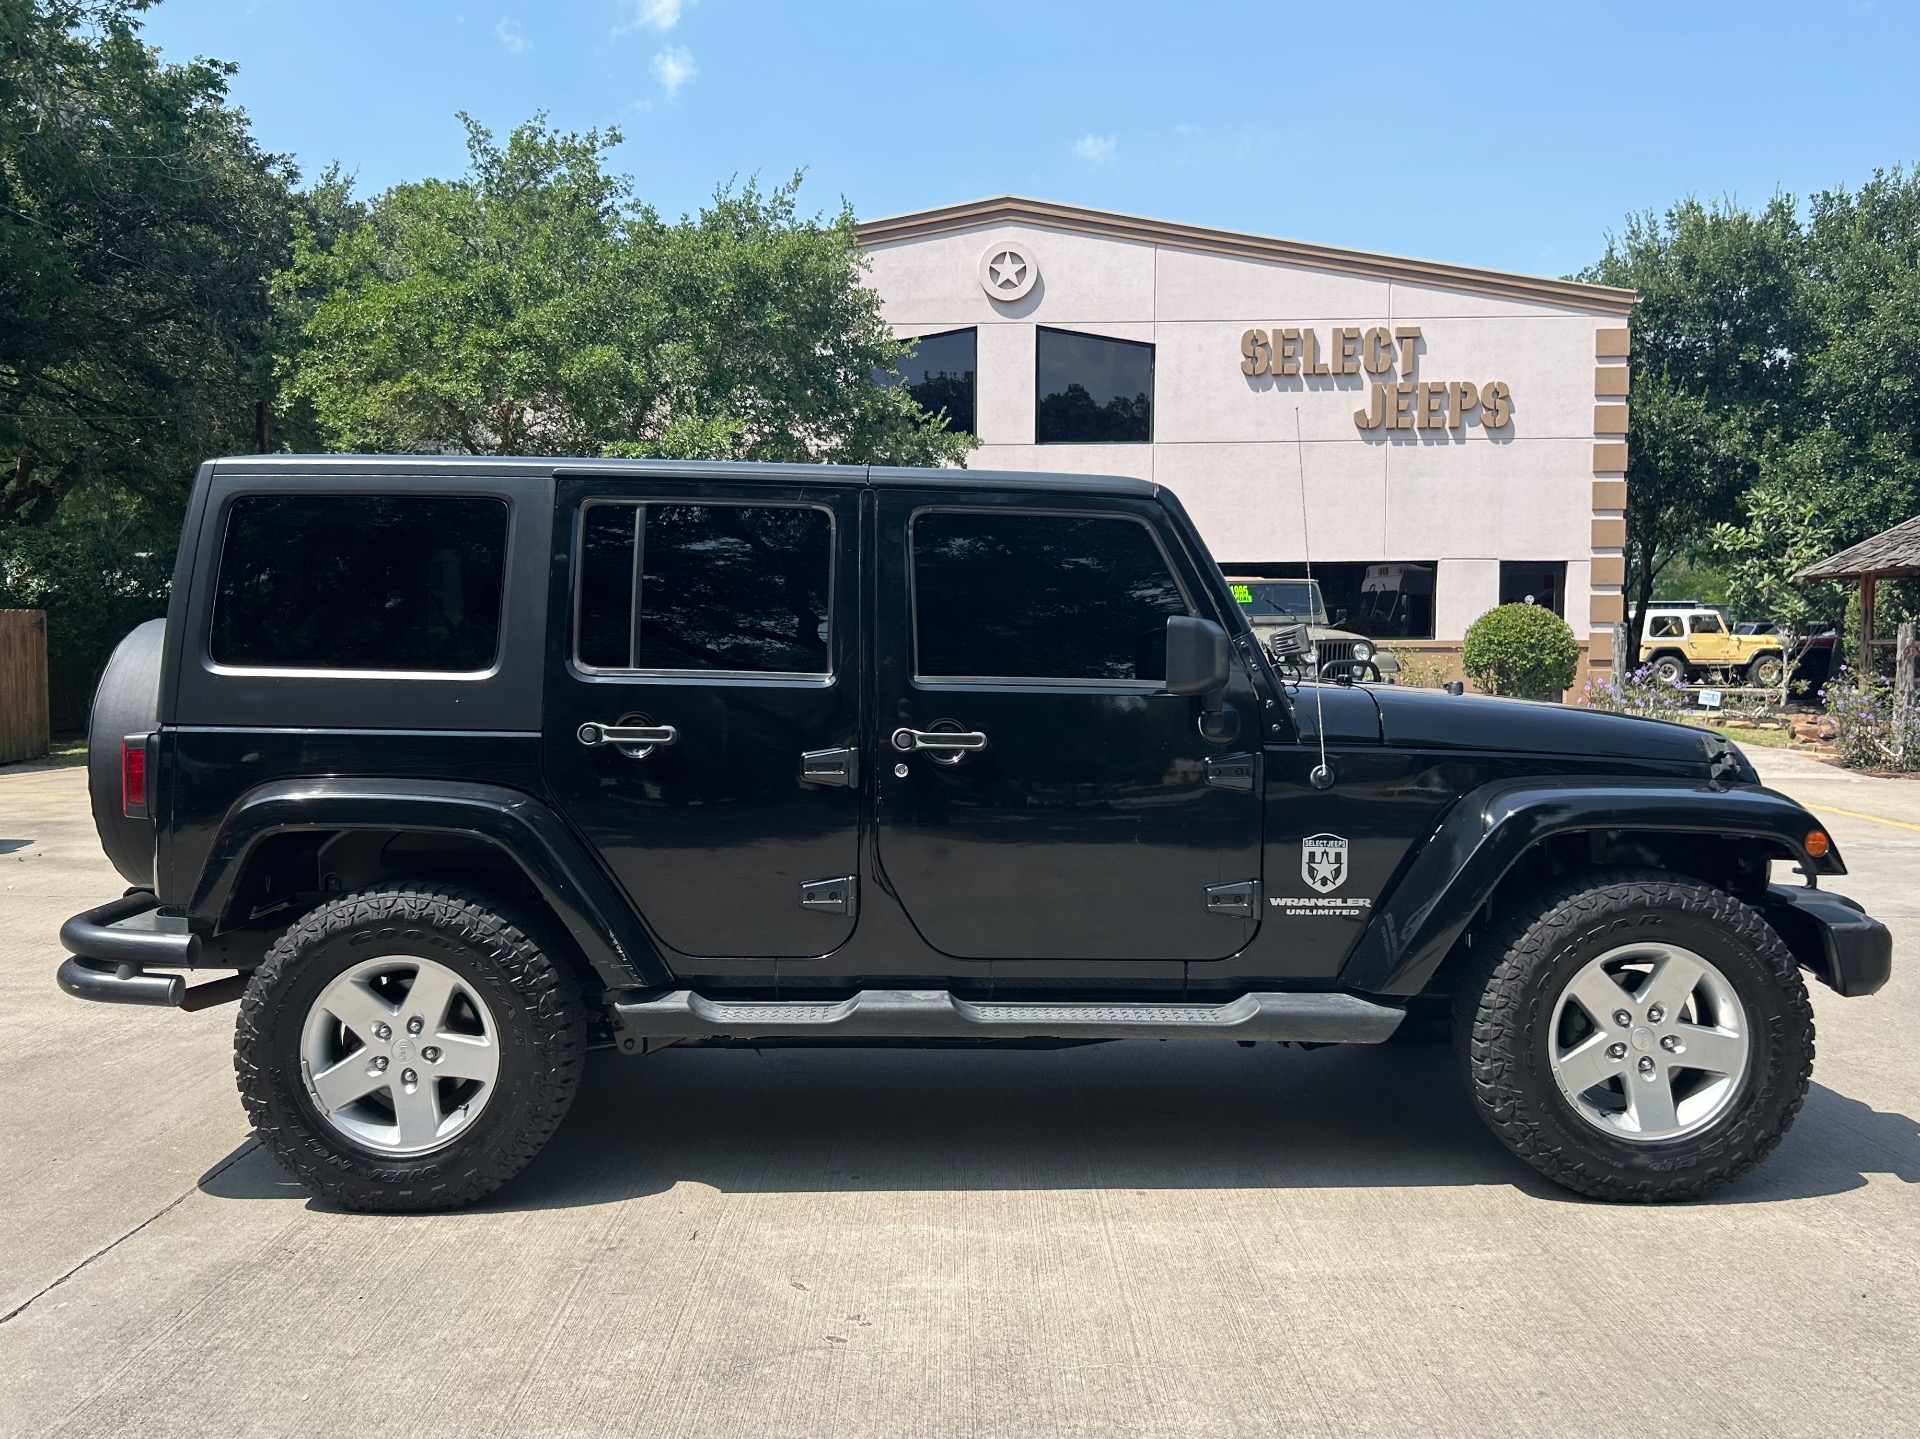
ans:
(1609, 534)
(1606, 610)
(1608, 570)
(1610, 458)
(1600, 647)
(1610, 381)
(1609, 419)
(1609, 494)
(1610, 344)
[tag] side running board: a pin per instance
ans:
(937, 1014)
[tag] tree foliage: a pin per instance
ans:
(1715, 356)
(1776, 396)
(534, 307)
(139, 228)
(1847, 465)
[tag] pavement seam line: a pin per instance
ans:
(101, 1253)
(1877, 819)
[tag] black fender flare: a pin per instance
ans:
(529, 832)
(1483, 836)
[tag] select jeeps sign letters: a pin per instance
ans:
(1402, 404)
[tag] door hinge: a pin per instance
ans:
(1231, 771)
(830, 766)
(1236, 901)
(830, 896)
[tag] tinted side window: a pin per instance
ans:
(361, 582)
(739, 588)
(1040, 596)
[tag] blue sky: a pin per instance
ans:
(1485, 134)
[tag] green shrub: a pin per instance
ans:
(1525, 651)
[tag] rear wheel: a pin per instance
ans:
(1670, 670)
(1637, 1037)
(408, 1047)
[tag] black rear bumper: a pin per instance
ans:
(1832, 936)
(113, 947)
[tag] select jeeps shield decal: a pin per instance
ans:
(1323, 862)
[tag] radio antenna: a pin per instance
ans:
(1322, 777)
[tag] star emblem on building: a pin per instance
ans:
(1008, 268)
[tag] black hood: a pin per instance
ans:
(1433, 719)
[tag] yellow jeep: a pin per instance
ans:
(1689, 642)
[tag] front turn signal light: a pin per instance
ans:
(1817, 843)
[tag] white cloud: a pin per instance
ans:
(1096, 149)
(673, 67)
(660, 15)
(512, 36)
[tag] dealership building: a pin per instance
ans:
(1434, 439)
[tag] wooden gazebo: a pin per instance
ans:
(1891, 555)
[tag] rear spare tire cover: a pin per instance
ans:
(127, 702)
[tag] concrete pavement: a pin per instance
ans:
(1125, 1239)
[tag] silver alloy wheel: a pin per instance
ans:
(1649, 1042)
(400, 1054)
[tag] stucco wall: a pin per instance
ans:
(1223, 441)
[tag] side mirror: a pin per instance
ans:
(1198, 657)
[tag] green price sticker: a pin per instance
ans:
(1243, 594)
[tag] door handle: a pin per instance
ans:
(625, 736)
(908, 740)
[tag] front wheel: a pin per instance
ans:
(1766, 672)
(1637, 1037)
(408, 1047)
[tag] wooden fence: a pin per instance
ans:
(23, 685)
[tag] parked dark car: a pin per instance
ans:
(457, 768)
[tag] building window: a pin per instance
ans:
(1092, 390)
(1057, 597)
(407, 583)
(939, 374)
(1387, 601)
(1534, 582)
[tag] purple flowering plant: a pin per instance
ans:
(1641, 693)
(1872, 729)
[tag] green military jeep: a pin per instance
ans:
(1270, 605)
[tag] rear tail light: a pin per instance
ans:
(133, 776)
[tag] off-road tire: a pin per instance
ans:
(1506, 1003)
(1765, 672)
(1671, 669)
(536, 1006)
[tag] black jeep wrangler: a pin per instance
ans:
(464, 767)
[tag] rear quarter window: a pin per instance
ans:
(393, 583)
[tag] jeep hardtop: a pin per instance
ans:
(457, 768)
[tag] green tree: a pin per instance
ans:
(139, 228)
(1717, 352)
(1848, 464)
(534, 307)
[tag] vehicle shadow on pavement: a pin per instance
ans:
(1122, 1116)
